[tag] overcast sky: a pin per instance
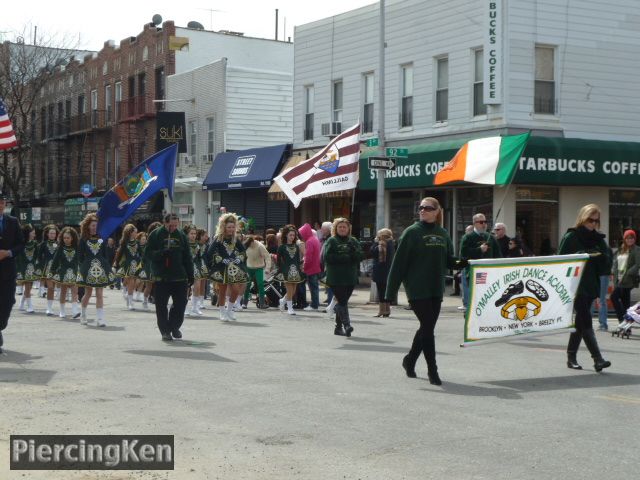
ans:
(96, 22)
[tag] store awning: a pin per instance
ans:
(253, 168)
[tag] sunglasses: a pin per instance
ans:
(481, 221)
(593, 220)
(427, 208)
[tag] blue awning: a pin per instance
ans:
(253, 168)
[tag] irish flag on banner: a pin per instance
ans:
(490, 161)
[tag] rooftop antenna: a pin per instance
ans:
(211, 10)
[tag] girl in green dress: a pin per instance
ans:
(46, 251)
(191, 231)
(289, 266)
(127, 261)
(27, 267)
(64, 269)
(202, 237)
(143, 274)
(94, 271)
(228, 264)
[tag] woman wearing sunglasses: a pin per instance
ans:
(584, 238)
(424, 247)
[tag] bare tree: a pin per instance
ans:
(25, 71)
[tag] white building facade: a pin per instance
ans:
(464, 69)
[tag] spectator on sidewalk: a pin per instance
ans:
(311, 264)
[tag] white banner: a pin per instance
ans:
(515, 296)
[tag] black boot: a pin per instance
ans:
(592, 344)
(572, 351)
(338, 330)
(429, 350)
(409, 368)
(262, 305)
(434, 378)
(346, 321)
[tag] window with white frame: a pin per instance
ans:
(108, 103)
(479, 107)
(308, 111)
(406, 106)
(367, 114)
(193, 140)
(442, 89)
(544, 100)
(94, 108)
(107, 168)
(211, 135)
(117, 90)
(336, 101)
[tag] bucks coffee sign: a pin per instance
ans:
(171, 129)
(492, 64)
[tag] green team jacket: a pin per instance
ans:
(470, 246)
(421, 262)
(177, 266)
(595, 267)
(341, 256)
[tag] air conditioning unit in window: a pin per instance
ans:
(325, 129)
(208, 158)
(331, 129)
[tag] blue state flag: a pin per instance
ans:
(148, 178)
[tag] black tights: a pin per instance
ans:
(427, 310)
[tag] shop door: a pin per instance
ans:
(536, 220)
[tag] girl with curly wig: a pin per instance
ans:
(27, 267)
(127, 261)
(94, 271)
(228, 264)
(289, 266)
(46, 251)
(64, 269)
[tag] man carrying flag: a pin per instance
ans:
(332, 169)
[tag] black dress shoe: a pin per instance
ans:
(434, 378)
(600, 364)
(339, 331)
(176, 333)
(513, 289)
(574, 365)
(167, 337)
(348, 330)
(411, 373)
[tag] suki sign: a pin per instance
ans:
(492, 61)
(533, 294)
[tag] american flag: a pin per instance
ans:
(7, 136)
(332, 169)
(481, 278)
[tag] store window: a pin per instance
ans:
(403, 210)
(536, 220)
(624, 214)
(469, 202)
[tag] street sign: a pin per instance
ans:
(86, 190)
(397, 152)
(372, 142)
(382, 163)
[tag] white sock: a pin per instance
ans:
(100, 313)
(84, 312)
(23, 300)
(289, 305)
(49, 305)
(63, 309)
(29, 304)
(129, 299)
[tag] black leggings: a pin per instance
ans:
(621, 299)
(427, 310)
(382, 289)
(342, 293)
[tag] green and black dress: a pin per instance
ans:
(228, 261)
(144, 272)
(290, 264)
(46, 251)
(196, 254)
(26, 263)
(94, 269)
(64, 267)
(129, 260)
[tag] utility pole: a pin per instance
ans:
(381, 174)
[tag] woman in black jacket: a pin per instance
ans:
(584, 238)
(382, 252)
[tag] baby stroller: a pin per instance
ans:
(273, 290)
(630, 320)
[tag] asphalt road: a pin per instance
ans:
(275, 397)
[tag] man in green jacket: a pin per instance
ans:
(171, 263)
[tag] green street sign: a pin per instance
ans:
(372, 142)
(397, 152)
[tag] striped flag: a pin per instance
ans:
(7, 136)
(332, 169)
(573, 271)
(489, 161)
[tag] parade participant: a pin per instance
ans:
(424, 247)
(289, 266)
(127, 262)
(382, 252)
(26, 267)
(342, 256)
(143, 274)
(258, 261)
(11, 244)
(626, 263)
(311, 267)
(94, 271)
(111, 256)
(64, 270)
(202, 237)
(583, 238)
(191, 231)
(46, 251)
(227, 264)
(171, 265)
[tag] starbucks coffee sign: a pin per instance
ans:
(492, 54)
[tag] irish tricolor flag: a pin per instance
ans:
(490, 161)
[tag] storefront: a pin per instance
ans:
(75, 209)
(243, 178)
(555, 177)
